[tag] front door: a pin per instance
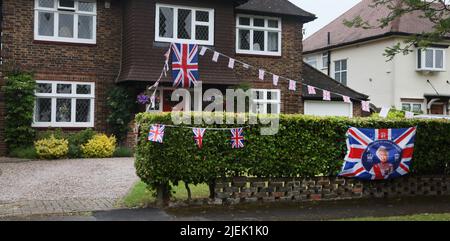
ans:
(437, 109)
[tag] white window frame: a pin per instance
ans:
(341, 71)
(254, 101)
(324, 56)
(210, 24)
(411, 106)
(266, 30)
(423, 66)
(56, 10)
(73, 96)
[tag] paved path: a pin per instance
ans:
(63, 186)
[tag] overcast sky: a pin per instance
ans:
(325, 11)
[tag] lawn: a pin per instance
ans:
(417, 217)
(141, 196)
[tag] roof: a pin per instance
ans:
(281, 7)
(341, 35)
(313, 77)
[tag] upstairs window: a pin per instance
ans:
(431, 59)
(184, 25)
(340, 71)
(266, 101)
(311, 60)
(324, 60)
(258, 35)
(72, 21)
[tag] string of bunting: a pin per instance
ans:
(157, 132)
(312, 90)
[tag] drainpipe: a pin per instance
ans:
(329, 54)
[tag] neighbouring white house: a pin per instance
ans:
(417, 82)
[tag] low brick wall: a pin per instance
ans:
(245, 190)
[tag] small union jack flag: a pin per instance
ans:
(237, 138)
(377, 154)
(156, 133)
(199, 133)
(185, 65)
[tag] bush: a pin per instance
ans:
(24, 152)
(76, 140)
(52, 148)
(120, 106)
(123, 152)
(305, 146)
(100, 146)
(19, 106)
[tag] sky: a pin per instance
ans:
(325, 11)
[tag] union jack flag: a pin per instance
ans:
(185, 65)
(377, 154)
(199, 133)
(156, 133)
(237, 138)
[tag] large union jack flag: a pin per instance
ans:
(156, 133)
(378, 154)
(185, 65)
(237, 138)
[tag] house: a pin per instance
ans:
(78, 49)
(417, 82)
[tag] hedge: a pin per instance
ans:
(305, 146)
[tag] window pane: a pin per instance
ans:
(64, 89)
(344, 64)
(419, 59)
(201, 32)
(273, 23)
(272, 95)
(337, 65)
(244, 21)
(417, 108)
(337, 77)
(166, 22)
(83, 89)
(273, 42)
(66, 25)
(43, 110)
(258, 22)
(46, 3)
(86, 6)
(83, 110)
(429, 58)
(324, 60)
(344, 78)
(67, 3)
(258, 40)
(244, 39)
(44, 88)
(184, 23)
(202, 16)
(406, 107)
(63, 110)
(85, 27)
(46, 24)
(439, 59)
(273, 109)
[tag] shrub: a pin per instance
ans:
(52, 148)
(123, 152)
(305, 146)
(57, 133)
(77, 139)
(28, 152)
(120, 106)
(100, 146)
(19, 106)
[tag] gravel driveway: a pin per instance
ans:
(66, 179)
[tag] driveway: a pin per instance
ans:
(29, 187)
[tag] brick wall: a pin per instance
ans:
(288, 65)
(242, 189)
(99, 63)
(2, 118)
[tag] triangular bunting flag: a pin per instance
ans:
(199, 133)
(156, 133)
(365, 105)
(384, 112)
(292, 85)
(215, 56)
(276, 78)
(231, 63)
(203, 51)
(237, 138)
(261, 74)
(311, 90)
(326, 95)
(346, 99)
(409, 115)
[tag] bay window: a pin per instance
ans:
(431, 59)
(266, 101)
(64, 104)
(258, 35)
(65, 21)
(184, 24)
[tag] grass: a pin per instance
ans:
(141, 196)
(417, 217)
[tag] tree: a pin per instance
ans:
(435, 11)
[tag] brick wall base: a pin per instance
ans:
(248, 190)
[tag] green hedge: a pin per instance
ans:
(305, 146)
